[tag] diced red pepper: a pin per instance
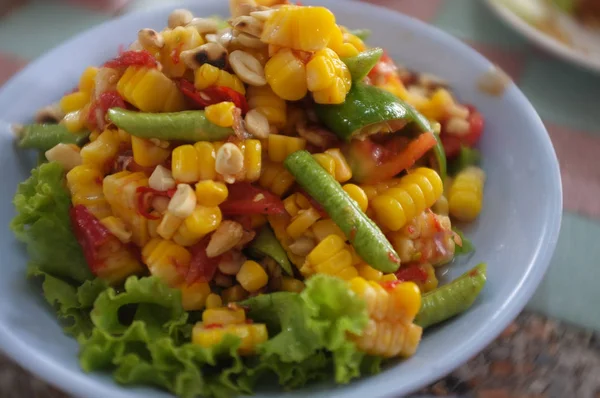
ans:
(212, 95)
(202, 268)
(145, 196)
(91, 235)
(213, 326)
(372, 162)
(244, 198)
(452, 143)
(133, 58)
(413, 273)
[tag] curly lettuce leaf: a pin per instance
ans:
(147, 350)
(43, 224)
(307, 326)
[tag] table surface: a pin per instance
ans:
(566, 97)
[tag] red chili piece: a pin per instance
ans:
(133, 58)
(245, 199)
(90, 233)
(213, 326)
(212, 95)
(390, 285)
(145, 195)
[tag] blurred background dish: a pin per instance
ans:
(569, 29)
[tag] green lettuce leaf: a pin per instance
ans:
(138, 334)
(310, 331)
(43, 224)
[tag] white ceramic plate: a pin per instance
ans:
(516, 233)
(584, 46)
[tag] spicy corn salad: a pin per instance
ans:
(265, 195)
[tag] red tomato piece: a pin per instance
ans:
(452, 143)
(412, 273)
(91, 235)
(244, 198)
(133, 58)
(202, 268)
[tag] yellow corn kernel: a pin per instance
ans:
(184, 164)
(213, 301)
(335, 264)
(101, 151)
(465, 198)
(416, 192)
(74, 121)
(117, 265)
(206, 155)
(194, 296)
(196, 226)
(328, 78)
(276, 178)
(117, 227)
(223, 316)
(177, 40)
(369, 273)
(389, 339)
(86, 81)
(280, 146)
(324, 228)
(148, 154)
(74, 101)
(166, 260)
(211, 193)
(388, 278)
(432, 282)
(252, 276)
(149, 90)
(208, 75)
(234, 294)
(169, 225)
(441, 207)
(252, 150)
(220, 114)
(325, 249)
(343, 172)
(250, 335)
(342, 47)
(85, 184)
(120, 190)
(302, 222)
(264, 100)
(291, 206)
(286, 75)
(358, 195)
(407, 295)
(289, 284)
(439, 104)
(302, 201)
(299, 28)
(326, 161)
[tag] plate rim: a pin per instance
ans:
(79, 383)
(543, 40)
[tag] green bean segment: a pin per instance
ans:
(368, 240)
(266, 244)
(360, 65)
(189, 126)
(451, 299)
(47, 136)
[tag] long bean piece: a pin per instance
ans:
(368, 240)
(451, 299)
(46, 136)
(189, 126)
